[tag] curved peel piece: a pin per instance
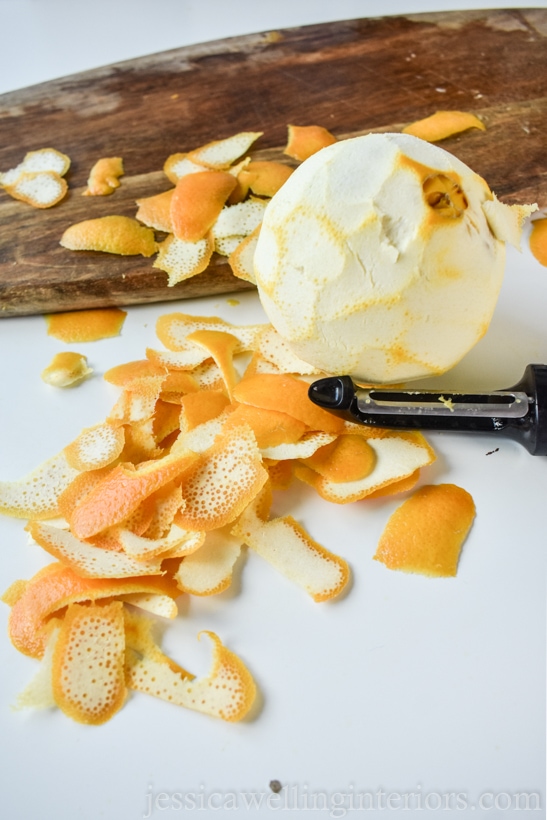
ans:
(91, 691)
(227, 692)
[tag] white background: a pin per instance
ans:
(407, 684)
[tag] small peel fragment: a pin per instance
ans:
(305, 140)
(88, 560)
(41, 190)
(40, 161)
(538, 240)
(95, 447)
(38, 694)
(443, 124)
(227, 692)
(426, 533)
(197, 202)
(104, 177)
(396, 457)
(115, 234)
(506, 221)
(66, 369)
(208, 571)
(155, 211)
(265, 178)
(90, 692)
(75, 326)
(241, 258)
(288, 547)
(220, 154)
(36, 495)
(181, 259)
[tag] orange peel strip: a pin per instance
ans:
(227, 692)
(145, 549)
(220, 154)
(155, 211)
(198, 408)
(88, 560)
(85, 325)
(265, 178)
(44, 159)
(289, 549)
(104, 177)
(264, 390)
(241, 258)
(41, 190)
(36, 495)
(92, 691)
(56, 586)
(224, 480)
(178, 165)
(38, 694)
(208, 570)
(303, 448)
(95, 447)
(305, 140)
(275, 349)
(348, 458)
(173, 330)
(120, 492)
(271, 427)
(152, 602)
(239, 220)
(443, 124)
(197, 202)
(220, 346)
(538, 240)
(120, 235)
(66, 369)
(396, 457)
(426, 533)
(181, 259)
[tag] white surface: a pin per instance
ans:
(407, 684)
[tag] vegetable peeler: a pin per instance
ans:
(518, 412)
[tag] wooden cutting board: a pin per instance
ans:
(352, 77)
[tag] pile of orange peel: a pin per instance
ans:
(161, 498)
(216, 202)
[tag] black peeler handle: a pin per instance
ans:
(430, 410)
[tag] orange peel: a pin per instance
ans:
(224, 480)
(538, 240)
(85, 325)
(220, 154)
(55, 587)
(95, 447)
(155, 211)
(41, 190)
(265, 178)
(443, 124)
(197, 202)
(181, 259)
(289, 548)
(227, 692)
(426, 533)
(208, 571)
(120, 235)
(104, 176)
(36, 495)
(90, 692)
(305, 140)
(66, 369)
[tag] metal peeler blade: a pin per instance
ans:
(518, 412)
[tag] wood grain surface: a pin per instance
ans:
(356, 76)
